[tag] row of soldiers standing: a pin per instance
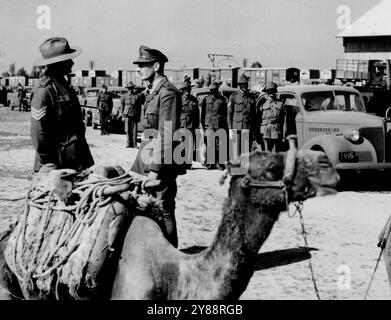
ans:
(263, 118)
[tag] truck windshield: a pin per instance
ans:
(326, 100)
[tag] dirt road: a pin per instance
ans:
(342, 229)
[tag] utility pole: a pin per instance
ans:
(212, 57)
(91, 64)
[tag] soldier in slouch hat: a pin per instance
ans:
(57, 127)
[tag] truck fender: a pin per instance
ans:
(332, 145)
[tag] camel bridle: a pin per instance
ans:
(286, 183)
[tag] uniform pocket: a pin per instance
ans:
(64, 110)
(152, 120)
(239, 107)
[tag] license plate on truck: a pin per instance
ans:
(349, 156)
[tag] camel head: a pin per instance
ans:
(280, 178)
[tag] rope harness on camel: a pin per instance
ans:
(54, 240)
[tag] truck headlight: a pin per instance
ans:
(352, 135)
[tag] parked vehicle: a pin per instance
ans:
(13, 99)
(91, 112)
(333, 119)
(363, 73)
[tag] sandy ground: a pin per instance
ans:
(342, 229)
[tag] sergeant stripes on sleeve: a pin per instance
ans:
(38, 114)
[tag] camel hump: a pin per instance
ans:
(72, 244)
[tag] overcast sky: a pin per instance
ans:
(274, 32)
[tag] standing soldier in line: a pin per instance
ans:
(190, 116)
(214, 117)
(105, 106)
(21, 97)
(3, 95)
(57, 128)
(242, 114)
(163, 106)
(272, 117)
(131, 111)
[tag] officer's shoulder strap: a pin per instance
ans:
(169, 86)
(46, 81)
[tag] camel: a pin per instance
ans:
(151, 268)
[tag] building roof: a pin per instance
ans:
(376, 22)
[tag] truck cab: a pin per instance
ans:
(333, 119)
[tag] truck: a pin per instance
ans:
(333, 119)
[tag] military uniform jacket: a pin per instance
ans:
(21, 92)
(214, 112)
(104, 101)
(272, 115)
(57, 128)
(164, 103)
(241, 111)
(190, 116)
(131, 106)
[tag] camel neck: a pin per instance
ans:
(244, 228)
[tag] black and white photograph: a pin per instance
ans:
(198, 150)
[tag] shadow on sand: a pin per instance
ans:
(267, 260)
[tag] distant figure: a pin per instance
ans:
(242, 115)
(214, 117)
(272, 115)
(201, 81)
(186, 78)
(208, 80)
(21, 96)
(57, 127)
(105, 106)
(3, 95)
(190, 115)
(131, 112)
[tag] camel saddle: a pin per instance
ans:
(67, 243)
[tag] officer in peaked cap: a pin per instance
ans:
(131, 111)
(242, 115)
(272, 118)
(163, 106)
(213, 118)
(57, 127)
(148, 55)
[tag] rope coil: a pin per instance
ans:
(91, 193)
